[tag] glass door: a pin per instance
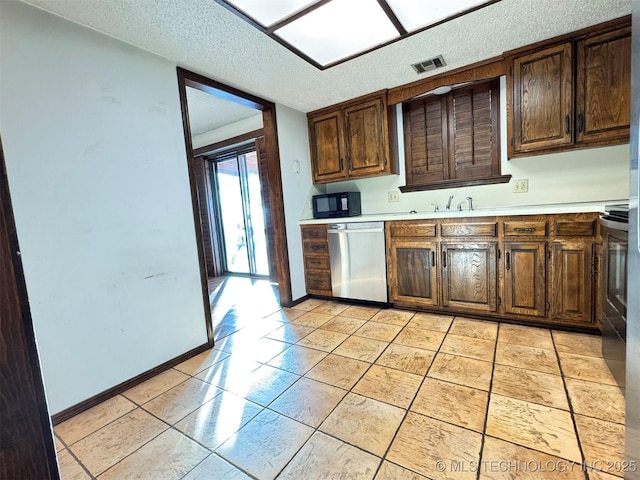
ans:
(239, 201)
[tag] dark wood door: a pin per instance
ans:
(412, 273)
(26, 441)
(469, 275)
(571, 283)
(525, 278)
(603, 96)
(327, 147)
(426, 140)
(543, 99)
(365, 138)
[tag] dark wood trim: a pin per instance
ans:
(456, 184)
(601, 27)
(28, 448)
(183, 80)
(245, 137)
(194, 80)
(277, 205)
(300, 300)
(484, 70)
(74, 410)
(269, 31)
(392, 17)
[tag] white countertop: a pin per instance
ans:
(478, 212)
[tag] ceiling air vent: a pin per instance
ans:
(427, 65)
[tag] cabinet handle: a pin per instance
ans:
(444, 259)
(567, 124)
(433, 259)
(507, 261)
(341, 164)
(580, 122)
(522, 229)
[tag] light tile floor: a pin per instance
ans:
(326, 390)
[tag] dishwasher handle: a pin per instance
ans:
(363, 230)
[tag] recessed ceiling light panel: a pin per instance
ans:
(414, 14)
(339, 29)
(268, 12)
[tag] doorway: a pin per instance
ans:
(269, 163)
(236, 185)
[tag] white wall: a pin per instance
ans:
(228, 131)
(293, 140)
(595, 174)
(92, 135)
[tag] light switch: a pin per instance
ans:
(296, 166)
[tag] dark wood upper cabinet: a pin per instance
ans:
(327, 147)
(571, 92)
(543, 98)
(453, 140)
(351, 140)
(603, 97)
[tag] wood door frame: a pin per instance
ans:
(187, 78)
(25, 429)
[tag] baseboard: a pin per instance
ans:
(296, 302)
(126, 385)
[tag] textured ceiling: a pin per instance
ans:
(201, 35)
(208, 112)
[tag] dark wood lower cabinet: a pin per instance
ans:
(571, 281)
(535, 269)
(469, 276)
(414, 278)
(525, 278)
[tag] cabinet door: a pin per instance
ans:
(571, 282)
(604, 86)
(469, 276)
(525, 278)
(412, 273)
(365, 136)
(327, 147)
(543, 99)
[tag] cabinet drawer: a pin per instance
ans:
(318, 280)
(531, 228)
(319, 233)
(575, 228)
(315, 247)
(412, 229)
(469, 229)
(317, 263)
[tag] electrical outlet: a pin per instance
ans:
(392, 197)
(520, 186)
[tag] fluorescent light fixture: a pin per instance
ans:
(339, 29)
(269, 12)
(328, 32)
(414, 14)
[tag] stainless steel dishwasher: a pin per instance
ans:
(358, 261)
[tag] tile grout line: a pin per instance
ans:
(424, 377)
(490, 392)
(570, 403)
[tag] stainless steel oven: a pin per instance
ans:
(615, 235)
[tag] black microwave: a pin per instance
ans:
(330, 205)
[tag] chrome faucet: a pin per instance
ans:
(448, 207)
(469, 204)
(436, 207)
